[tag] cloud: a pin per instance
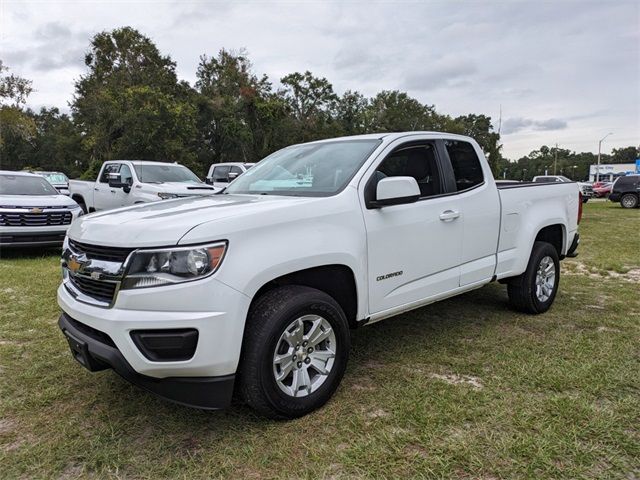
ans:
(52, 31)
(440, 74)
(535, 62)
(516, 124)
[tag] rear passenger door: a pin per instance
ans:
(480, 207)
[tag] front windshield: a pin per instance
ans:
(25, 185)
(309, 170)
(165, 173)
(56, 178)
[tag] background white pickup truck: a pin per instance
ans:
(221, 174)
(256, 288)
(121, 183)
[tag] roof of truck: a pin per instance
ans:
(143, 162)
(24, 174)
(392, 136)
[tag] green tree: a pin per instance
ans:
(352, 110)
(235, 109)
(312, 102)
(625, 155)
(395, 111)
(17, 128)
(130, 103)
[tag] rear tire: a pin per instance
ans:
(629, 200)
(535, 290)
(286, 371)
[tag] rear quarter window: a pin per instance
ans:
(467, 168)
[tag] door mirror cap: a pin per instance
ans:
(396, 191)
(115, 181)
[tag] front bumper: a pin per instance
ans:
(615, 196)
(215, 310)
(96, 351)
(46, 237)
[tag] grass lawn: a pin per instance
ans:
(464, 388)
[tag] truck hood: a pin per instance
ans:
(36, 201)
(181, 188)
(165, 222)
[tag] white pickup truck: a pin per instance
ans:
(122, 183)
(255, 289)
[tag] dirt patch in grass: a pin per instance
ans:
(578, 268)
(453, 379)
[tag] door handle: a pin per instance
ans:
(113, 191)
(96, 189)
(449, 215)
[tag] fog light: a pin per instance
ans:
(166, 345)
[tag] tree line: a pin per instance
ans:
(130, 104)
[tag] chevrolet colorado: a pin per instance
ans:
(128, 182)
(254, 290)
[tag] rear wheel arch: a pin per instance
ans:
(554, 235)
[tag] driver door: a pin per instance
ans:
(413, 249)
(103, 194)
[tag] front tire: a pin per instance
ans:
(535, 290)
(294, 353)
(629, 200)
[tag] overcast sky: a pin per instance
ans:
(563, 71)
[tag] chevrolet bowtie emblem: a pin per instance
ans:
(36, 210)
(73, 265)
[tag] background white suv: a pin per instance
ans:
(221, 174)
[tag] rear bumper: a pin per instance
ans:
(96, 351)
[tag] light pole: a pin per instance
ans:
(600, 148)
(573, 176)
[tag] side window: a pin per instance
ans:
(417, 161)
(466, 164)
(125, 174)
(110, 168)
(220, 174)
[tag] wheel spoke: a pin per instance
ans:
(285, 370)
(319, 366)
(320, 335)
(322, 355)
(295, 338)
(301, 381)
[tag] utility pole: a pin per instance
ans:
(599, 149)
(555, 161)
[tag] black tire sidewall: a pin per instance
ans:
(311, 302)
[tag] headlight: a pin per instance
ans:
(152, 268)
(77, 210)
(166, 196)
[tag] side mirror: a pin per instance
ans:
(232, 176)
(396, 191)
(115, 181)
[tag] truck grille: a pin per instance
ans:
(44, 219)
(100, 290)
(98, 252)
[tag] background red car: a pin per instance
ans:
(602, 189)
